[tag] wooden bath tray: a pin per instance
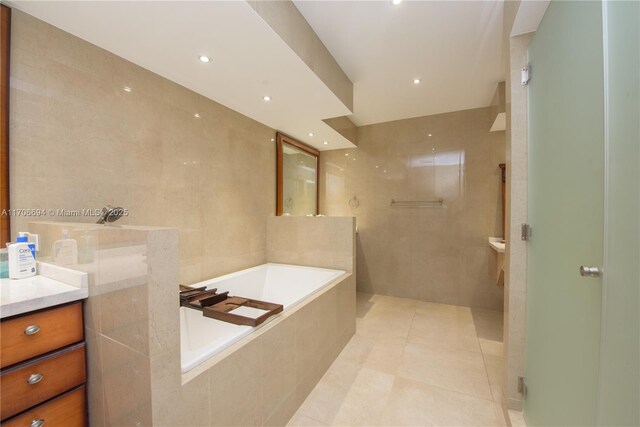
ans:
(223, 310)
(221, 306)
(200, 297)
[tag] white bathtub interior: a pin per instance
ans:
(202, 337)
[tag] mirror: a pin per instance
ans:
(297, 169)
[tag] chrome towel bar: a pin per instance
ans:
(437, 203)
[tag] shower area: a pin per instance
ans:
(427, 195)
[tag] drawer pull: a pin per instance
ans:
(37, 423)
(31, 330)
(35, 379)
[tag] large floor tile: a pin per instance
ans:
(495, 371)
(299, 420)
(365, 400)
(517, 418)
(372, 354)
(488, 323)
(326, 399)
(412, 403)
(461, 371)
(452, 329)
(492, 348)
(395, 303)
(382, 324)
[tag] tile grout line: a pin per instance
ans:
(484, 362)
(454, 391)
(406, 339)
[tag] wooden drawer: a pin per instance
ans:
(67, 410)
(56, 328)
(33, 382)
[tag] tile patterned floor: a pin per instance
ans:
(412, 363)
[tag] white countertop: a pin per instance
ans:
(53, 285)
(497, 244)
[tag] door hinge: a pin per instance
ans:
(525, 74)
(525, 233)
(522, 386)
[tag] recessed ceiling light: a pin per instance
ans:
(325, 142)
(377, 166)
(273, 139)
(196, 115)
(266, 98)
(310, 133)
(416, 81)
(346, 154)
(205, 59)
(127, 89)
(396, 2)
(429, 135)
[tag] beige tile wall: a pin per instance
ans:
(433, 254)
(79, 141)
(327, 242)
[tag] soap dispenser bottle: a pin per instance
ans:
(22, 258)
(65, 250)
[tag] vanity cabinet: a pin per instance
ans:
(43, 368)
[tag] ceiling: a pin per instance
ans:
(529, 15)
(453, 47)
(249, 60)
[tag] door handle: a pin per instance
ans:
(586, 271)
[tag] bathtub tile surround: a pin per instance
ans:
(326, 242)
(143, 150)
(278, 365)
(267, 366)
(433, 254)
(133, 333)
(287, 285)
(237, 384)
(278, 377)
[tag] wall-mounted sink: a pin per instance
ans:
(497, 244)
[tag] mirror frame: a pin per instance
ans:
(5, 46)
(282, 139)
